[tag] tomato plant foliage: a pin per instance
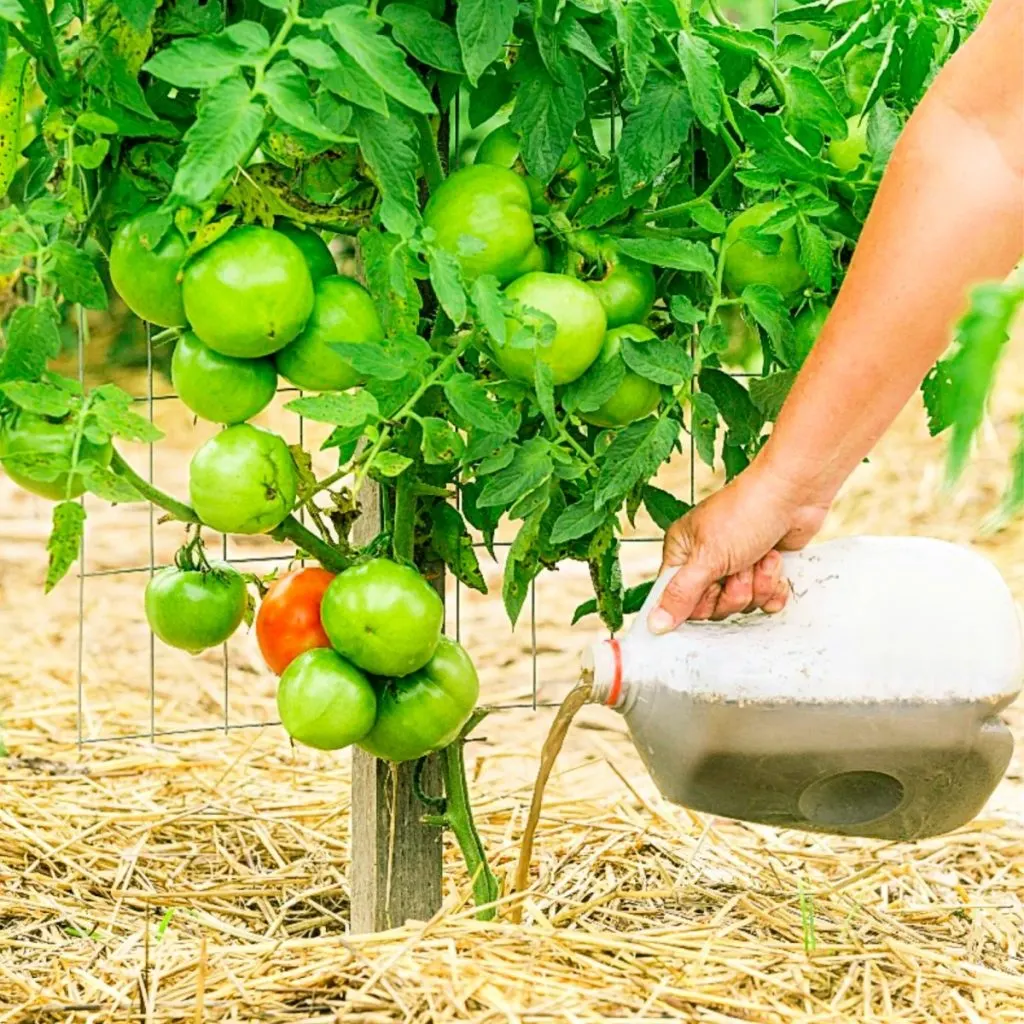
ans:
(646, 125)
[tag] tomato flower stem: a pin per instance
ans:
(289, 530)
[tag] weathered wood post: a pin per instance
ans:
(396, 859)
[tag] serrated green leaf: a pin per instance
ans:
(522, 565)
(391, 464)
(340, 409)
(589, 392)
(704, 425)
(808, 102)
(32, 340)
(634, 455)
(483, 28)
(768, 308)
(636, 43)
(473, 404)
(654, 133)
(768, 393)
(225, 132)
(389, 146)
(355, 30)
(663, 508)
(65, 541)
(454, 546)
(577, 521)
(441, 441)
(683, 311)
(77, 276)
(530, 466)
(197, 63)
(664, 361)
(106, 484)
(489, 305)
(349, 81)
(545, 390)
(446, 277)
(703, 78)
(815, 254)
(632, 601)
(44, 398)
(673, 254)
(314, 53)
(287, 92)
(733, 403)
(430, 41)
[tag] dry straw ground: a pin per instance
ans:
(204, 877)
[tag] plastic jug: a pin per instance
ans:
(868, 706)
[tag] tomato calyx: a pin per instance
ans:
(625, 287)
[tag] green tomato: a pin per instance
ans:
(384, 617)
(482, 215)
(806, 329)
(249, 293)
(324, 701)
(626, 290)
(744, 348)
(744, 264)
(635, 397)
(573, 182)
(847, 154)
(194, 610)
(425, 711)
(538, 258)
(342, 312)
(29, 435)
(219, 388)
(319, 257)
(579, 328)
(243, 480)
(861, 67)
(147, 279)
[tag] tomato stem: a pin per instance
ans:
(458, 817)
(290, 530)
(403, 527)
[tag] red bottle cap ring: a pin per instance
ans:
(615, 690)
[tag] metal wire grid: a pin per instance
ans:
(149, 399)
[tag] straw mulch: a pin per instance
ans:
(205, 878)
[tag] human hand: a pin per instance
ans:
(727, 549)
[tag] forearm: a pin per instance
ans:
(949, 213)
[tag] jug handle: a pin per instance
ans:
(662, 581)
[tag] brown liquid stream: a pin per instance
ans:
(577, 697)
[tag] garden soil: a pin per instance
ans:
(203, 876)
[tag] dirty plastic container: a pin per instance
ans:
(868, 707)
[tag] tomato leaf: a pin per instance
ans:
(606, 575)
(632, 601)
(387, 264)
(704, 425)
(197, 63)
(106, 484)
(545, 390)
(733, 403)
(577, 521)
(65, 541)
(546, 112)
(77, 276)
(665, 361)
(636, 43)
(767, 306)
(389, 146)
(430, 41)
(454, 546)
(530, 466)
(883, 132)
(340, 409)
(391, 464)
(768, 393)
(349, 81)
(446, 277)
(663, 508)
(355, 30)
(673, 254)
(225, 132)
(473, 404)
(654, 133)
(808, 102)
(441, 441)
(288, 94)
(815, 254)
(32, 340)
(703, 78)
(595, 387)
(777, 152)
(635, 454)
(314, 53)
(489, 304)
(44, 397)
(483, 28)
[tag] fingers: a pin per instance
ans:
(778, 599)
(682, 596)
(767, 574)
(736, 595)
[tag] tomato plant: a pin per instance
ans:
(660, 190)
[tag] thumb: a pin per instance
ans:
(682, 594)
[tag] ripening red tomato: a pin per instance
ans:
(288, 622)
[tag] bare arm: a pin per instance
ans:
(949, 213)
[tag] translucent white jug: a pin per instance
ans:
(868, 706)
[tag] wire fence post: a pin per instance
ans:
(396, 858)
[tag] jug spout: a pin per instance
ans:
(602, 661)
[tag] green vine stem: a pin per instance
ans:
(290, 530)
(403, 528)
(458, 817)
